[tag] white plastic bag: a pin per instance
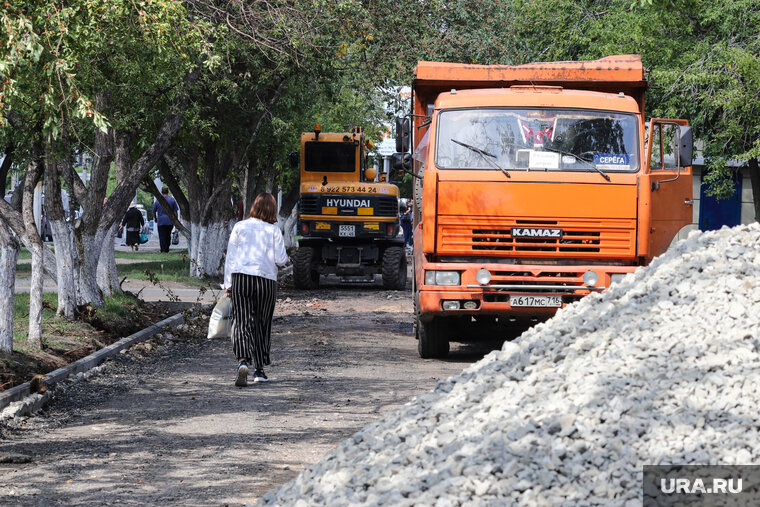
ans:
(220, 324)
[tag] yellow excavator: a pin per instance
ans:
(347, 222)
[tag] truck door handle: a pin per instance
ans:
(690, 202)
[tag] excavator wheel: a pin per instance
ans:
(394, 268)
(304, 277)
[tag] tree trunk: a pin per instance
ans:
(200, 252)
(108, 277)
(288, 215)
(210, 251)
(89, 247)
(14, 220)
(34, 172)
(754, 178)
(63, 238)
(288, 227)
(9, 248)
(34, 338)
(192, 249)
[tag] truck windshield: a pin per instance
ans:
(325, 157)
(540, 139)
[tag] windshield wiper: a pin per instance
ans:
(591, 162)
(484, 154)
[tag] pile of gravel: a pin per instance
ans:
(663, 368)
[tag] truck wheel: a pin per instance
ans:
(394, 268)
(304, 277)
(432, 339)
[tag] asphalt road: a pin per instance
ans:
(167, 426)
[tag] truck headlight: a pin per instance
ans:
(441, 277)
(483, 276)
(590, 278)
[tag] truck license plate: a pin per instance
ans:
(537, 301)
(347, 231)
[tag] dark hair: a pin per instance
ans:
(264, 208)
(164, 189)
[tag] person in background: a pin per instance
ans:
(47, 229)
(165, 223)
(406, 224)
(134, 221)
(255, 250)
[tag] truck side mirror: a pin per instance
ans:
(403, 135)
(294, 159)
(400, 163)
(685, 146)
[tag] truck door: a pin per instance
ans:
(670, 184)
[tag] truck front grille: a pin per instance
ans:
(571, 241)
(580, 238)
(382, 206)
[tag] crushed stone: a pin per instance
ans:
(662, 368)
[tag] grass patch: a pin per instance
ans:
(152, 266)
(117, 306)
(66, 341)
(53, 328)
(171, 269)
(151, 256)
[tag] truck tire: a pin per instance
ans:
(432, 339)
(304, 277)
(394, 268)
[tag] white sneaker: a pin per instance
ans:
(260, 376)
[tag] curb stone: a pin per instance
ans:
(20, 400)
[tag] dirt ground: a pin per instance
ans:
(168, 426)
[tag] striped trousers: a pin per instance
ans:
(253, 299)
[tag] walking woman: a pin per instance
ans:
(255, 250)
(134, 221)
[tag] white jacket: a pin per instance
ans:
(255, 248)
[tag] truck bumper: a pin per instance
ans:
(563, 284)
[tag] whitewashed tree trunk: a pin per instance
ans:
(34, 338)
(192, 249)
(216, 237)
(63, 238)
(89, 251)
(108, 278)
(9, 248)
(76, 269)
(200, 253)
(287, 226)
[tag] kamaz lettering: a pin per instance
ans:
(524, 232)
(346, 203)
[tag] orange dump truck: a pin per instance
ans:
(535, 185)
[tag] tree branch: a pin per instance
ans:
(149, 186)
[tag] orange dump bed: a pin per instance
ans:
(613, 74)
(613, 70)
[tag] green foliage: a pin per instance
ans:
(58, 56)
(702, 59)
(406, 187)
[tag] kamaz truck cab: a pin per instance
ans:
(347, 222)
(535, 185)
